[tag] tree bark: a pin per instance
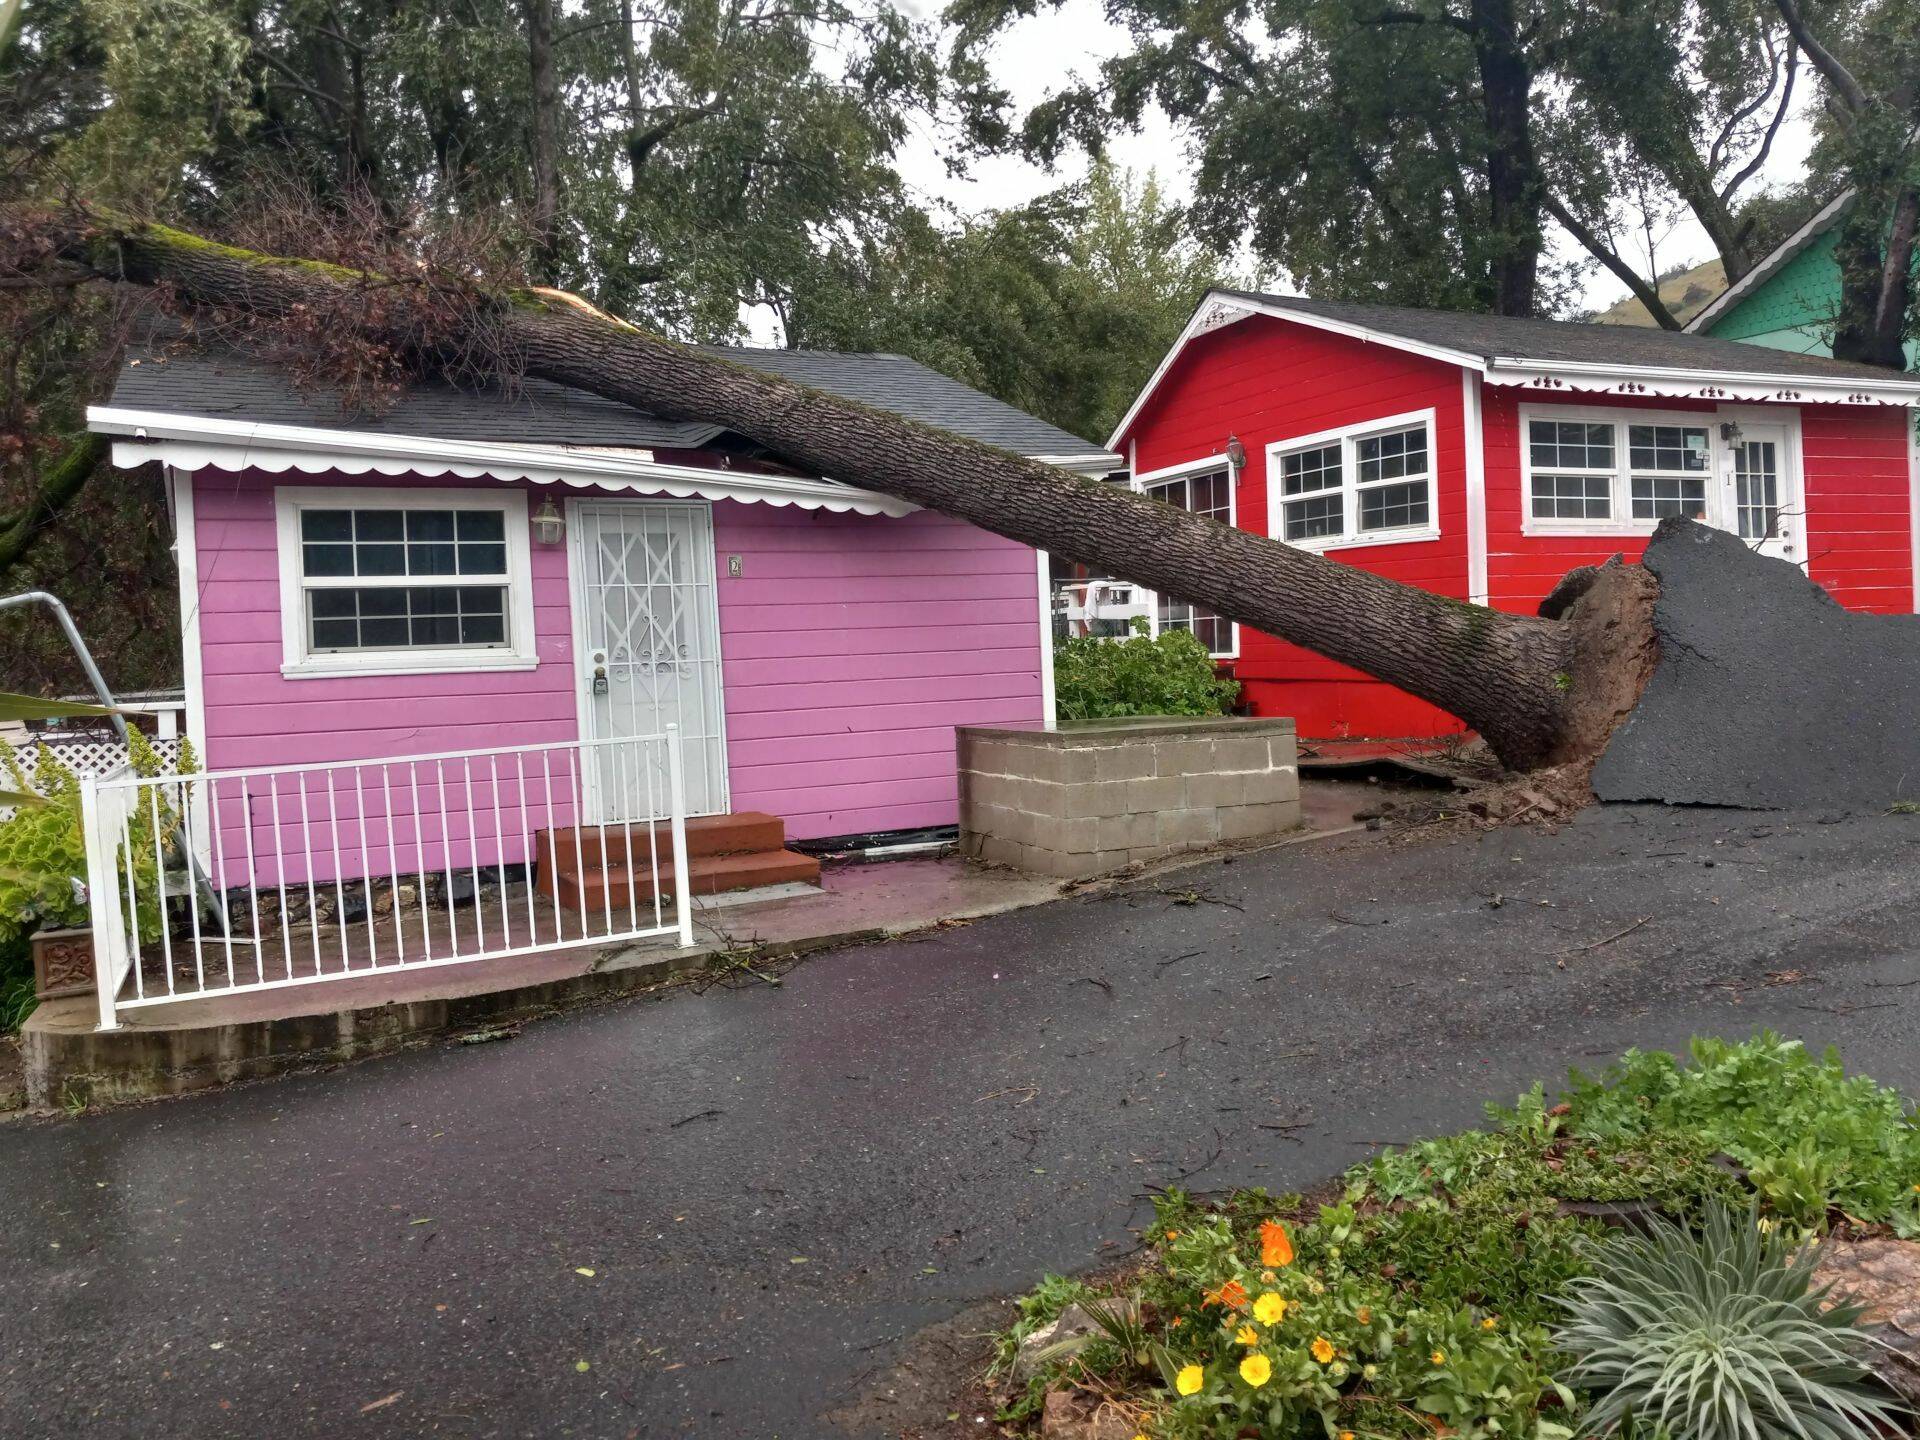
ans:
(544, 141)
(1513, 171)
(1522, 681)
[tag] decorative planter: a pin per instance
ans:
(62, 963)
(1094, 795)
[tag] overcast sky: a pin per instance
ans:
(1036, 56)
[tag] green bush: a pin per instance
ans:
(1812, 1135)
(1140, 675)
(1718, 1335)
(43, 855)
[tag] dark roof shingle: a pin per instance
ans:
(169, 376)
(1508, 337)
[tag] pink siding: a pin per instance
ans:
(850, 648)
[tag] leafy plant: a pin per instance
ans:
(1170, 674)
(43, 856)
(1718, 1335)
(1813, 1135)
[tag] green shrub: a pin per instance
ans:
(1717, 1335)
(1812, 1135)
(1140, 675)
(43, 854)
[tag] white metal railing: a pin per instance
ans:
(257, 879)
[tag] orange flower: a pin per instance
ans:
(1232, 1294)
(1276, 1247)
(1364, 1315)
(1322, 1349)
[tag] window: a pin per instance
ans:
(1586, 472)
(388, 581)
(1362, 485)
(1210, 493)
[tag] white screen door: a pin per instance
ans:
(649, 656)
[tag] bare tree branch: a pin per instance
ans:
(1646, 293)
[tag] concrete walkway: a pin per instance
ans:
(776, 1188)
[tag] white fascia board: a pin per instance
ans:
(1772, 265)
(194, 443)
(1676, 383)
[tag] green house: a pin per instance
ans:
(1790, 299)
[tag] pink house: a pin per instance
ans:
(543, 570)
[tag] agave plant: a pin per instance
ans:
(1718, 1335)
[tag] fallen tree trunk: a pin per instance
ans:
(1541, 691)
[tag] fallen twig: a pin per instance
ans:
(1606, 940)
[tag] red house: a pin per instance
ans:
(1483, 457)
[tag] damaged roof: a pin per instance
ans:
(167, 375)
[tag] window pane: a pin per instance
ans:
(483, 559)
(1390, 507)
(1572, 497)
(429, 524)
(326, 524)
(482, 630)
(380, 559)
(436, 630)
(1570, 444)
(1389, 456)
(429, 558)
(1657, 496)
(335, 604)
(1313, 518)
(389, 633)
(336, 634)
(1309, 470)
(1675, 448)
(481, 525)
(326, 559)
(378, 602)
(1208, 628)
(379, 524)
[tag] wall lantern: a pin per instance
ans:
(1236, 454)
(548, 527)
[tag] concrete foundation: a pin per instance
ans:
(1090, 797)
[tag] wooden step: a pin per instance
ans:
(745, 833)
(585, 889)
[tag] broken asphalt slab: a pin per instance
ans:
(777, 1191)
(1768, 695)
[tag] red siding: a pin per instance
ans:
(1266, 380)
(1859, 495)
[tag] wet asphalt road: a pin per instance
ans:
(775, 1188)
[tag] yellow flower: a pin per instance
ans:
(1322, 1349)
(1364, 1315)
(1189, 1380)
(1439, 1357)
(1488, 1323)
(1247, 1335)
(1269, 1309)
(1256, 1370)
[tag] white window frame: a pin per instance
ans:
(1139, 484)
(297, 662)
(1348, 438)
(1623, 521)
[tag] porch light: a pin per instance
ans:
(548, 527)
(1236, 454)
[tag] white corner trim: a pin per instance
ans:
(1777, 260)
(522, 649)
(1049, 706)
(195, 443)
(1474, 432)
(193, 675)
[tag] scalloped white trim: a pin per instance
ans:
(193, 443)
(1697, 385)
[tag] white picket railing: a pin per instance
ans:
(245, 880)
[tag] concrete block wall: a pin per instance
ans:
(1093, 796)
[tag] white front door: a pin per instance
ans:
(1760, 500)
(648, 650)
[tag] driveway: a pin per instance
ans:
(775, 1188)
